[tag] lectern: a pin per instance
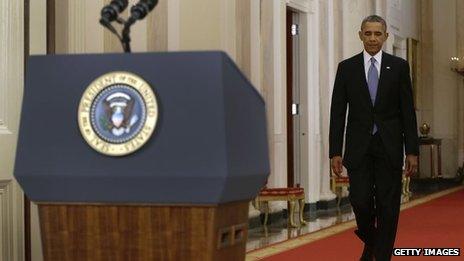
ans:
(111, 188)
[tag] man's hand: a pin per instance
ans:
(336, 164)
(410, 165)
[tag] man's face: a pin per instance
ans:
(373, 36)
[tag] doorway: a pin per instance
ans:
(293, 111)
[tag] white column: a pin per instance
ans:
(76, 30)
(445, 92)
(326, 193)
(93, 30)
(273, 88)
(353, 13)
(279, 177)
(313, 98)
(255, 43)
(228, 28)
(173, 25)
(11, 92)
(460, 53)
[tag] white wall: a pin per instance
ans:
(353, 12)
(410, 15)
(445, 83)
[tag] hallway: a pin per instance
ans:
(278, 238)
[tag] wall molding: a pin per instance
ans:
(272, 49)
(11, 63)
(243, 36)
(11, 88)
(228, 28)
(3, 67)
(6, 221)
(9, 11)
(300, 5)
(173, 19)
(255, 45)
(326, 193)
(76, 31)
(157, 28)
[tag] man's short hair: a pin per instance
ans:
(374, 18)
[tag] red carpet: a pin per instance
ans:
(438, 223)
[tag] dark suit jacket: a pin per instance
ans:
(393, 111)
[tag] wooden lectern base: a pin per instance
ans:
(129, 232)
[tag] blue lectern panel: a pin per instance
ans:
(209, 146)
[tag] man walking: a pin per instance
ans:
(376, 87)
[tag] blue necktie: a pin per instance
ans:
(373, 82)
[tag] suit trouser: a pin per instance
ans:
(375, 195)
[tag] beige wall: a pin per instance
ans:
(445, 85)
(410, 17)
(227, 25)
(252, 32)
(78, 30)
(425, 102)
(460, 53)
(352, 14)
(434, 24)
(200, 25)
(440, 95)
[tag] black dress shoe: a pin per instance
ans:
(368, 254)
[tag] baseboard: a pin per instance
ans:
(311, 210)
(430, 185)
(323, 207)
(274, 217)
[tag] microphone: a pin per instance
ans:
(142, 8)
(110, 12)
(138, 12)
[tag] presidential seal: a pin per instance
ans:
(117, 113)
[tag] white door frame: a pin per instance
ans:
(309, 97)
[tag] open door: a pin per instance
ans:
(293, 99)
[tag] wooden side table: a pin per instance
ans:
(432, 143)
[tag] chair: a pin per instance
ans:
(291, 195)
(338, 183)
(405, 185)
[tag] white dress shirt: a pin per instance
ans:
(367, 62)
